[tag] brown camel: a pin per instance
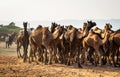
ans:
(94, 41)
(35, 43)
(57, 32)
(41, 37)
(114, 47)
(72, 41)
(19, 43)
(57, 41)
(105, 47)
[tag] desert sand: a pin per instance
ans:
(11, 66)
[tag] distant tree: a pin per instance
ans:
(12, 24)
(1, 25)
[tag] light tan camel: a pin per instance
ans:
(94, 41)
(19, 43)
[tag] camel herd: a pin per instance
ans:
(68, 45)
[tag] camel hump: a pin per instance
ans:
(100, 36)
(118, 31)
(39, 27)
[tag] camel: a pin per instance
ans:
(25, 41)
(53, 26)
(114, 47)
(19, 43)
(94, 41)
(105, 47)
(57, 41)
(35, 43)
(72, 41)
(41, 37)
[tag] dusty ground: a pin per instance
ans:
(11, 66)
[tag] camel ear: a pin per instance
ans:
(110, 26)
(47, 27)
(95, 23)
(88, 21)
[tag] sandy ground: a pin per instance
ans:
(11, 66)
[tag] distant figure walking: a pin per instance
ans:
(7, 41)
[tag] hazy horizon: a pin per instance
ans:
(76, 23)
(53, 10)
(46, 11)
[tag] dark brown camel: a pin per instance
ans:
(72, 41)
(25, 40)
(114, 47)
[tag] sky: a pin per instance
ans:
(34, 10)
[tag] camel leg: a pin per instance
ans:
(99, 58)
(50, 56)
(30, 55)
(36, 57)
(55, 53)
(117, 55)
(18, 53)
(18, 50)
(45, 56)
(68, 60)
(40, 54)
(90, 53)
(25, 53)
(6, 45)
(95, 58)
(19, 46)
(78, 59)
(82, 56)
(113, 59)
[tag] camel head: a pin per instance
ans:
(53, 26)
(108, 26)
(25, 24)
(117, 31)
(89, 25)
(60, 28)
(80, 29)
(96, 29)
(69, 27)
(108, 33)
(84, 26)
